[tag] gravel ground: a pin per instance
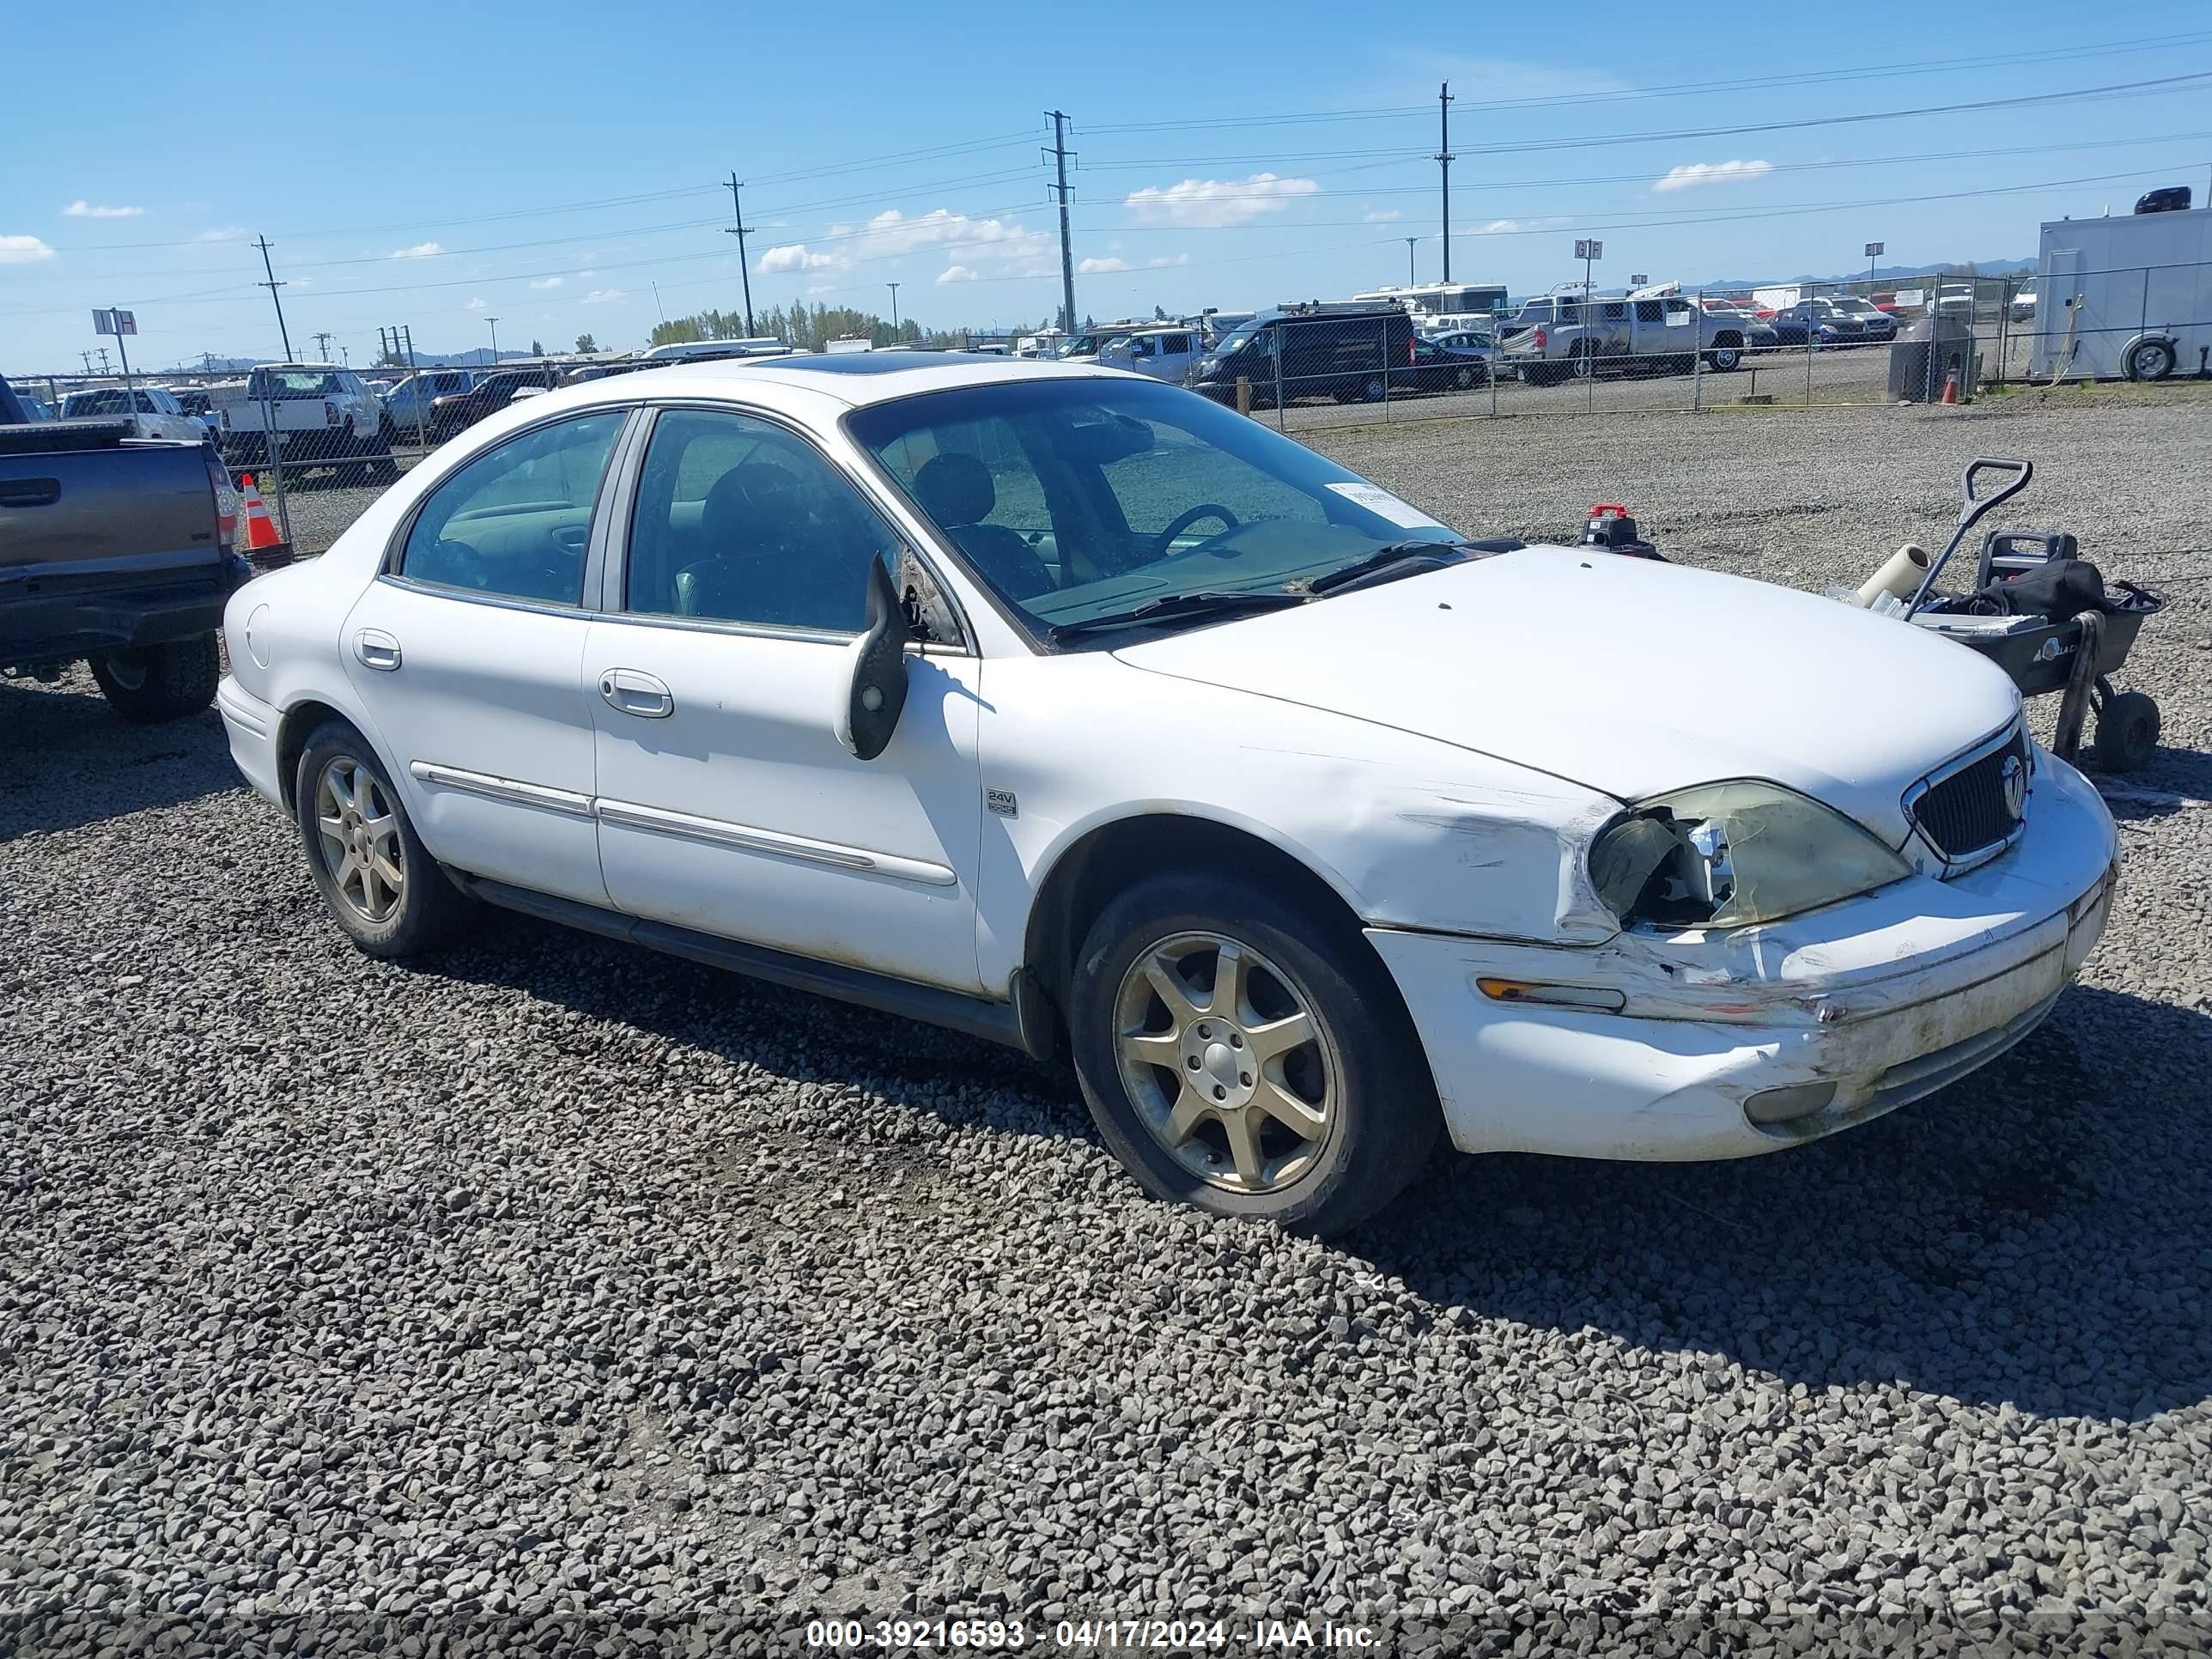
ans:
(564, 1298)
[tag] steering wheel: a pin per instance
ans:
(1183, 521)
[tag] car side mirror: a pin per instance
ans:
(875, 685)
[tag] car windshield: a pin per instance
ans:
(1081, 499)
(1855, 306)
(1238, 338)
(300, 383)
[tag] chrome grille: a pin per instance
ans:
(1964, 812)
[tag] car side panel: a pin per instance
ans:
(1408, 831)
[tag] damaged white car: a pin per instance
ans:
(1075, 711)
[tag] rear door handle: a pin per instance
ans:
(636, 693)
(30, 492)
(376, 649)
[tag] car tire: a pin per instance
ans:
(2150, 359)
(1581, 366)
(152, 682)
(1357, 1083)
(1374, 389)
(351, 822)
(2127, 732)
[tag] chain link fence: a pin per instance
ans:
(314, 436)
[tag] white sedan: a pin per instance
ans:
(1072, 710)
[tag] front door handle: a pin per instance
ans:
(636, 693)
(376, 649)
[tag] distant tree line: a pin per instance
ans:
(808, 328)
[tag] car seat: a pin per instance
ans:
(760, 568)
(957, 491)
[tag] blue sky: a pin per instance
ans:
(549, 164)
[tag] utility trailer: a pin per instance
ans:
(2126, 298)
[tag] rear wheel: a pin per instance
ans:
(1247, 1057)
(391, 897)
(160, 682)
(1373, 389)
(1581, 365)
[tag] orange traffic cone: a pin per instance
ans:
(1951, 387)
(260, 529)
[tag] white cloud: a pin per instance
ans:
(420, 251)
(585, 276)
(1165, 259)
(222, 234)
(1386, 215)
(23, 251)
(476, 304)
(1504, 228)
(955, 274)
(792, 256)
(81, 208)
(606, 296)
(1713, 173)
(1094, 267)
(544, 282)
(891, 234)
(1216, 201)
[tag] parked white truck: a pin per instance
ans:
(307, 414)
(1650, 331)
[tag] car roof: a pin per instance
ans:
(853, 378)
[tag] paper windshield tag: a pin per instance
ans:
(1375, 499)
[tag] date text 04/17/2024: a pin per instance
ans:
(1096, 1635)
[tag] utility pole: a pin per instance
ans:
(86, 355)
(323, 345)
(104, 370)
(1059, 153)
(894, 287)
(737, 230)
(272, 285)
(494, 321)
(1410, 241)
(1443, 164)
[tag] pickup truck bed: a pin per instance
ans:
(112, 552)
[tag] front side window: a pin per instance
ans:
(1081, 499)
(740, 520)
(515, 522)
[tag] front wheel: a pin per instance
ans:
(166, 681)
(2127, 732)
(1247, 1057)
(391, 897)
(1725, 359)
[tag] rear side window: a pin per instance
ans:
(514, 523)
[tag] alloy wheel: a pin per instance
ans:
(358, 831)
(129, 669)
(1226, 1060)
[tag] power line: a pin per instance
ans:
(1683, 89)
(2166, 83)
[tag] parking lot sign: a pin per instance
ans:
(118, 322)
(1587, 250)
(1875, 250)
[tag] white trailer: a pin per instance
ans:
(2127, 298)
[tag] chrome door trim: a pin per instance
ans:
(720, 832)
(512, 790)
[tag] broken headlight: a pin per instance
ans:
(1729, 855)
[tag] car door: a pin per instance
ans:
(726, 802)
(467, 654)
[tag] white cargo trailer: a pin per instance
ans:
(2126, 298)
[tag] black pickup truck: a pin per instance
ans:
(115, 552)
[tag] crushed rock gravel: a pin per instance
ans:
(562, 1298)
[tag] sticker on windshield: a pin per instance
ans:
(1377, 499)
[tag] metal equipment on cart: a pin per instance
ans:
(2075, 656)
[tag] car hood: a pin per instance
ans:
(1624, 675)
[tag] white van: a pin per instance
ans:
(1165, 353)
(154, 412)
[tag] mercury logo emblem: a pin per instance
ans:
(2013, 774)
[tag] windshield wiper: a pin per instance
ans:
(1394, 556)
(1178, 604)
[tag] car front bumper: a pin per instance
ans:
(1885, 998)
